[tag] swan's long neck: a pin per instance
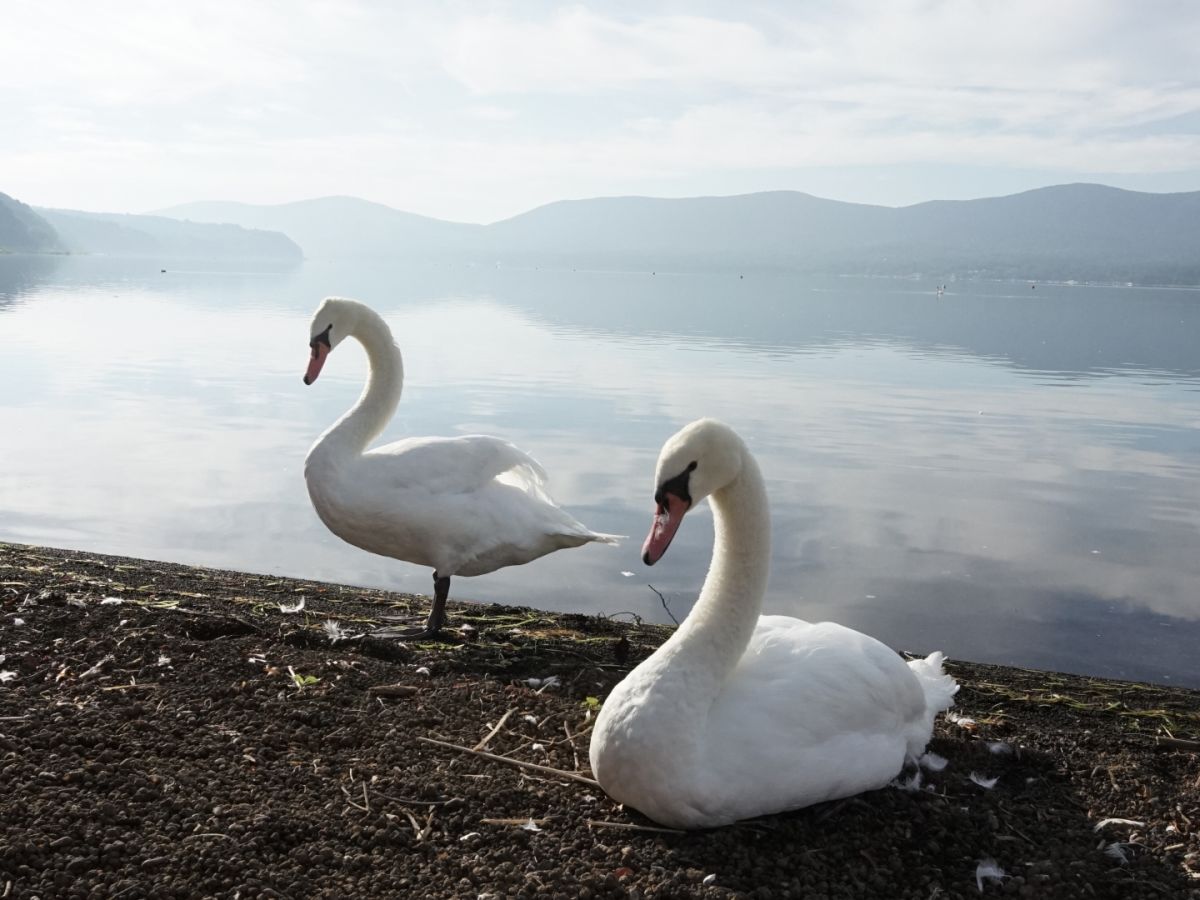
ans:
(365, 421)
(714, 636)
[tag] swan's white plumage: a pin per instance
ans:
(460, 505)
(739, 715)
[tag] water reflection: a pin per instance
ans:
(1011, 479)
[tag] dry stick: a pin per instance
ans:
(1174, 743)
(491, 734)
(1020, 834)
(351, 802)
(403, 800)
(630, 826)
(416, 826)
(132, 687)
(664, 603)
(571, 743)
(583, 779)
(538, 822)
(421, 833)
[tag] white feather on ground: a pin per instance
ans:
(1104, 822)
(988, 869)
(1118, 851)
(932, 762)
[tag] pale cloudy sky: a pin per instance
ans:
(478, 111)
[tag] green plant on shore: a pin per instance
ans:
(302, 681)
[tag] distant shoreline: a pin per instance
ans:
(730, 269)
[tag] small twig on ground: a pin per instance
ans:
(421, 831)
(1173, 743)
(97, 668)
(573, 776)
(630, 826)
(207, 834)
(538, 822)
(131, 687)
(571, 743)
(393, 690)
(405, 800)
(491, 734)
(664, 603)
(351, 802)
(1009, 825)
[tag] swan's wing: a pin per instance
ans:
(453, 465)
(819, 681)
(812, 712)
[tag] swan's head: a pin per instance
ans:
(698, 460)
(334, 319)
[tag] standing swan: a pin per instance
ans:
(738, 715)
(462, 506)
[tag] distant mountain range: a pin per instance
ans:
(114, 234)
(340, 227)
(24, 229)
(1085, 232)
(1076, 231)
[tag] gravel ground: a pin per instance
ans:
(176, 732)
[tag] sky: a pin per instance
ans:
(479, 111)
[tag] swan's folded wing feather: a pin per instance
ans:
(822, 680)
(449, 465)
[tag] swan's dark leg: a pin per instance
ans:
(437, 615)
(435, 622)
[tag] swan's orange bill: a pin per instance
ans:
(666, 523)
(320, 351)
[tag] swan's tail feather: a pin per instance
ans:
(601, 538)
(939, 687)
(939, 690)
(578, 536)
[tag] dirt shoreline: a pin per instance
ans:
(169, 731)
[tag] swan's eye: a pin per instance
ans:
(692, 466)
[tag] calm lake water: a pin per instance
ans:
(1011, 475)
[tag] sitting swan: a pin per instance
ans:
(738, 715)
(463, 506)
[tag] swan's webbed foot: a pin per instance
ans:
(411, 634)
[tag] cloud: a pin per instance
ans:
(476, 116)
(577, 50)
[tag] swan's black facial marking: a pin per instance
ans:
(677, 486)
(322, 338)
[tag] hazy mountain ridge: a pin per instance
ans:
(22, 230)
(340, 226)
(1080, 231)
(116, 234)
